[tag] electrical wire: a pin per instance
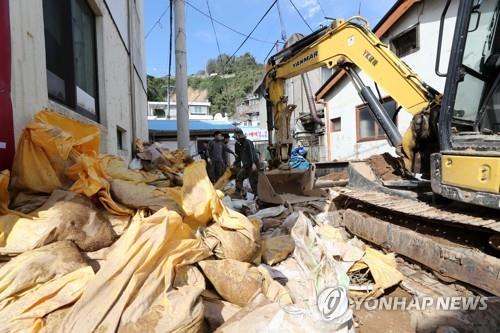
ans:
(157, 22)
(251, 32)
(226, 26)
(271, 50)
(282, 23)
(300, 14)
(215, 34)
(321, 7)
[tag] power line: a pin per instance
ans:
(271, 50)
(251, 32)
(226, 26)
(302, 17)
(215, 33)
(321, 7)
(282, 23)
(157, 22)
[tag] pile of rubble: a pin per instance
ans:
(90, 245)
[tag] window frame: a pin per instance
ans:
(333, 128)
(379, 133)
(68, 52)
(393, 48)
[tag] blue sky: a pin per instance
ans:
(242, 15)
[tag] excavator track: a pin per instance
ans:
(423, 210)
(455, 245)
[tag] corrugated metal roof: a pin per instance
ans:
(158, 125)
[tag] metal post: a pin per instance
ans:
(181, 75)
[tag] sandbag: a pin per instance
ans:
(233, 236)
(232, 244)
(116, 168)
(64, 216)
(44, 149)
(276, 249)
(139, 195)
(239, 282)
(32, 269)
(133, 291)
(27, 312)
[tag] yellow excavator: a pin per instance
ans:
(453, 141)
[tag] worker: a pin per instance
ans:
(216, 150)
(246, 163)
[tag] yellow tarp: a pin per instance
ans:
(44, 150)
(57, 152)
(383, 269)
(131, 287)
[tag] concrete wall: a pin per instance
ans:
(343, 98)
(29, 79)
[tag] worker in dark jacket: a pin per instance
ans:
(216, 150)
(247, 162)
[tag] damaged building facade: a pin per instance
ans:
(409, 29)
(81, 58)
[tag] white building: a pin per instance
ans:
(161, 110)
(84, 59)
(410, 28)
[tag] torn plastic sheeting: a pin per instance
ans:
(268, 212)
(91, 179)
(318, 265)
(44, 150)
(383, 270)
(133, 288)
(261, 315)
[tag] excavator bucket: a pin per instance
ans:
(275, 185)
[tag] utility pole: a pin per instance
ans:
(181, 75)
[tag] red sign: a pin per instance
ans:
(6, 117)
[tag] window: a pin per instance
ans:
(367, 127)
(160, 113)
(197, 109)
(335, 125)
(406, 42)
(120, 138)
(70, 52)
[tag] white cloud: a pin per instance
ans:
(311, 6)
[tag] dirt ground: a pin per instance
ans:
(386, 166)
(385, 321)
(335, 176)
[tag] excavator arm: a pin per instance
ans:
(349, 45)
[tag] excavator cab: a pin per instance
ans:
(467, 168)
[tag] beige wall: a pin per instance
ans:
(29, 81)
